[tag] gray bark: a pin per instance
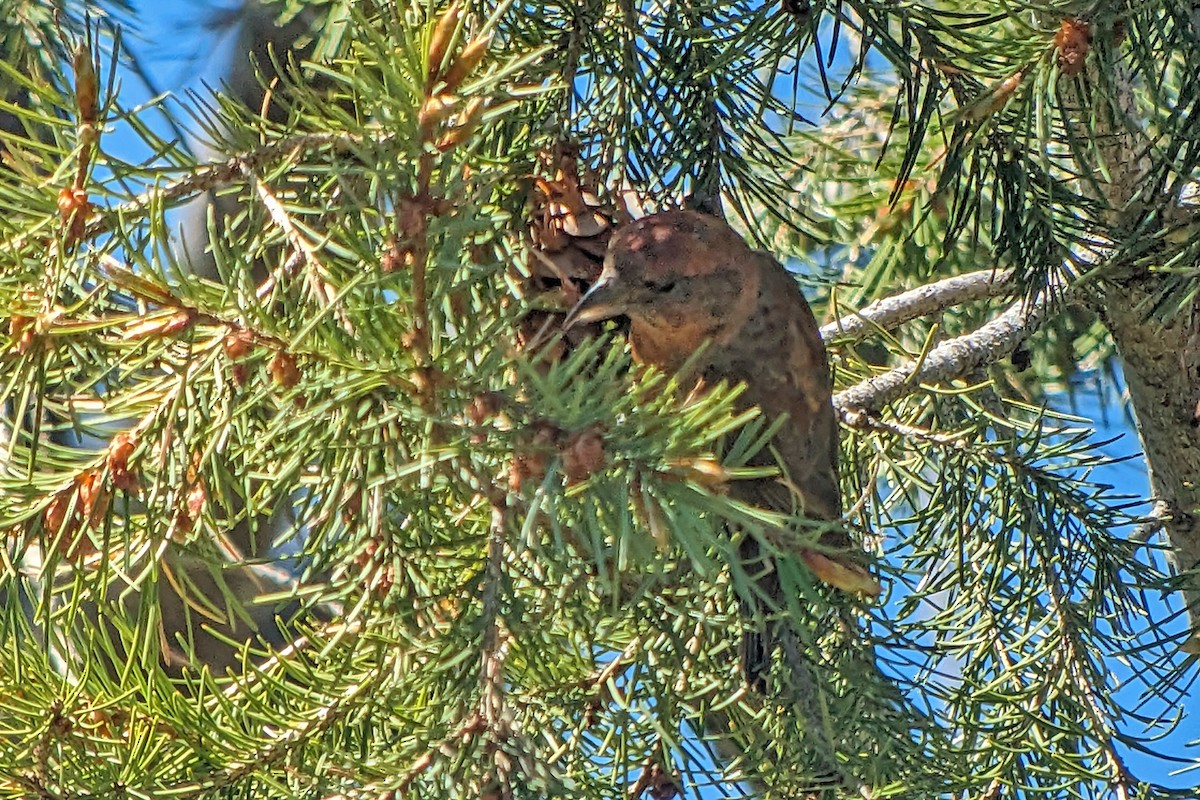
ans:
(1162, 370)
(1160, 355)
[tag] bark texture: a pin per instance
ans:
(1162, 370)
(1160, 354)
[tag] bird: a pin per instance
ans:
(686, 279)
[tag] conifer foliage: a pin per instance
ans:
(346, 514)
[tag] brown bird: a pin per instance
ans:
(685, 279)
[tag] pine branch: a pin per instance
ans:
(949, 360)
(356, 427)
(922, 301)
(1160, 352)
(449, 747)
(207, 178)
(1094, 698)
(286, 742)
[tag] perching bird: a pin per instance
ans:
(685, 278)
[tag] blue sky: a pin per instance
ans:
(180, 55)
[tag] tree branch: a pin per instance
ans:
(1160, 355)
(922, 301)
(947, 361)
(206, 178)
(474, 724)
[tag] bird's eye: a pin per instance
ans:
(661, 288)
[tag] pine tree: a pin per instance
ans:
(334, 509)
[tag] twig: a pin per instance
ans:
(324, 293)
(289, 738)
(209, 177)
(332, 630)
(493, 577)
(289, 268)
(33, 785)
(422, 343)
(216, 176)
(923, 301)
(603, 676)
(948, 360)
(495, 649)
(282, 219)
(1121, 778)
(449, 746)
(862, 420)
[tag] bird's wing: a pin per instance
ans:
(781, 358)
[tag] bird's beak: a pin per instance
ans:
(602, 301)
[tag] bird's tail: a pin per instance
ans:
(764, 630)
(764, 634)
(759, 638)
(757, 646)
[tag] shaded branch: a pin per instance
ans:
(230, 171)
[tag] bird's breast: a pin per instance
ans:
(668, 346)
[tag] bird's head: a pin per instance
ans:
(678, 271)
